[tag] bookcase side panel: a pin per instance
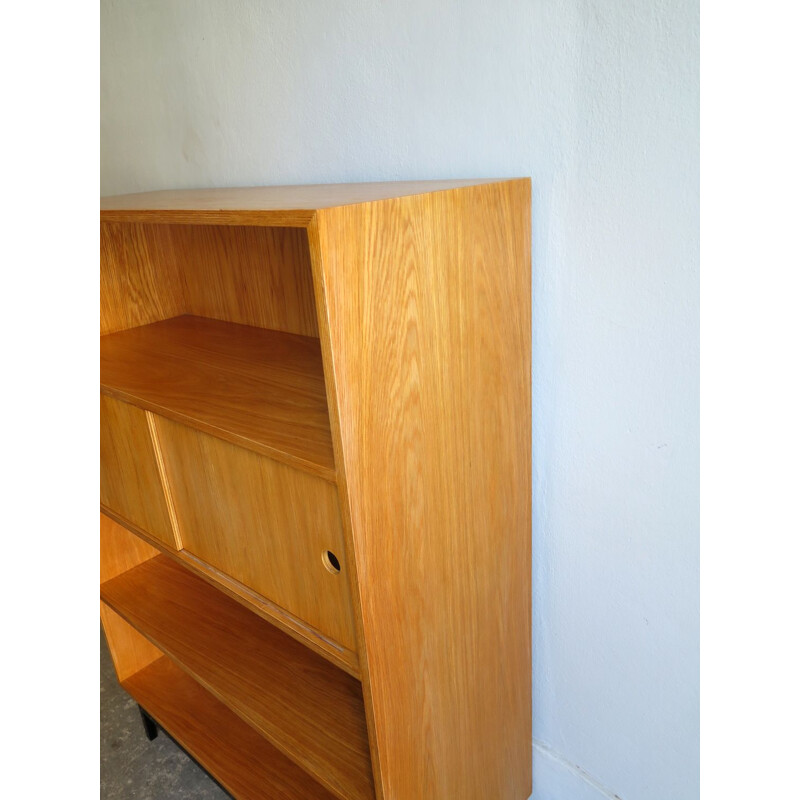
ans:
(427, 312)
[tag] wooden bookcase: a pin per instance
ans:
(315, 483)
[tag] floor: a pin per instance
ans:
(131, 767)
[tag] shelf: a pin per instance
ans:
(309, 709)
(236, 755)
(261, 389)
(337, 654)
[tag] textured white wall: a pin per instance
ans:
(596, 100)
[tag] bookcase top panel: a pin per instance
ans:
(291, 206)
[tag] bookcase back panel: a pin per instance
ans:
(253, 276)
(130, 481)
(250, 275)
(275, 529)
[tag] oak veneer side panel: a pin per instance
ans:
(428, 314)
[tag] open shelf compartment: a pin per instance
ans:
(258, 388)
(243, 761)
(307, 708)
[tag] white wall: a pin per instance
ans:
(596, 100)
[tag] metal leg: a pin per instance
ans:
(150, 727)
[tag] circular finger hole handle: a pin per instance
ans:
(331, 562)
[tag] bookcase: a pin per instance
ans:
(315, 484)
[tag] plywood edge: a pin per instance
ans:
(318, 274)
(289, 218)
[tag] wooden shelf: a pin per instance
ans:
(245, 763)
(306, 707)
(260, 389)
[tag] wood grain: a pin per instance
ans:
(130, 482)
(261, 522)
(251, 275)
(259, 205)
(119, 552)
(263, 390)
(140, 281)
(245, 763)
(427, 348)
(119, 549)
(307, 708)
(338, 655)
(246, 274)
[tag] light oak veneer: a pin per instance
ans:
(120, 552)
(239, 758)
(130, 479)
(153, 272)
(427, 338)
(343, 658)
(260, 389)
(318, 404)
(307, 708)
(263, 523)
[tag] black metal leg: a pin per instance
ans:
(150, 727)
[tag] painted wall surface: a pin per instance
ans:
(596, 100)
